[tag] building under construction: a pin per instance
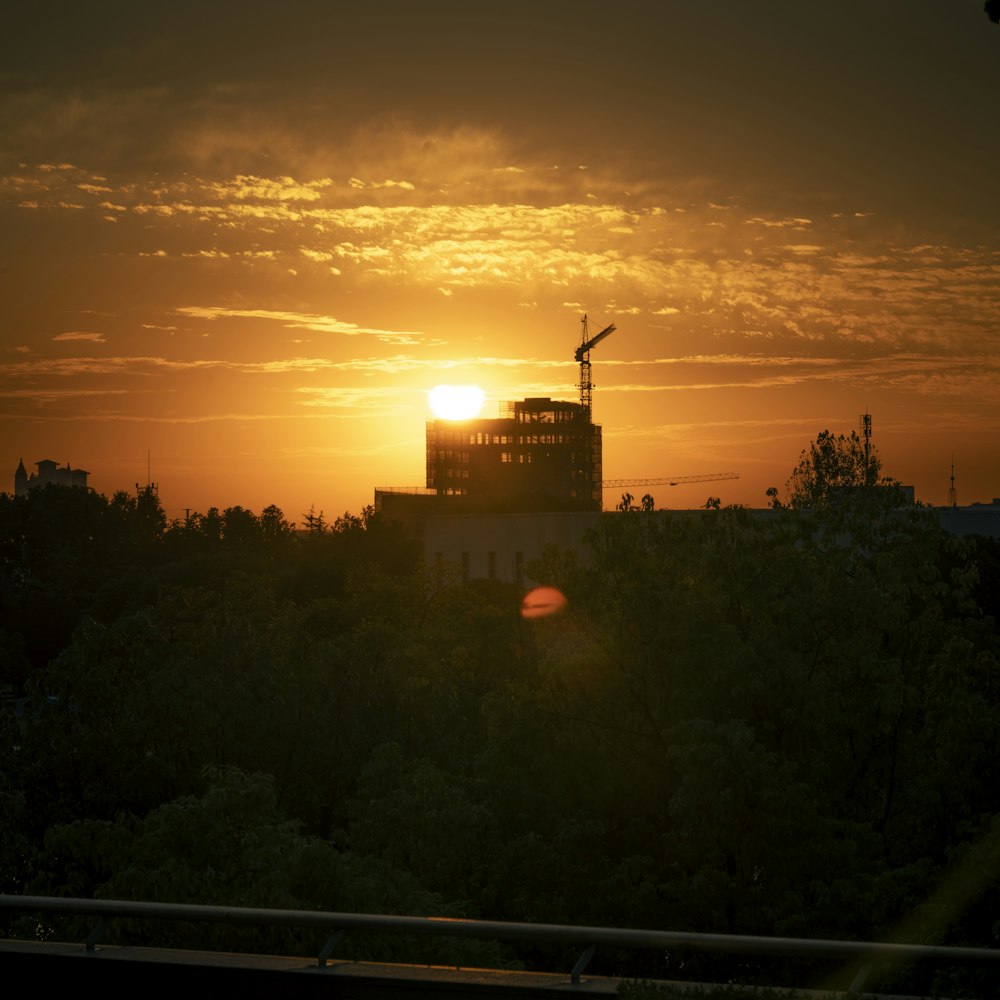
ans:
(539, 451)
(538, 455)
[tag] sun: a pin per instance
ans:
(455, 402)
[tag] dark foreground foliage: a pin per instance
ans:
(780, 725)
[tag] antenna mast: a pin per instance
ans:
(952, 492)
(151, 489)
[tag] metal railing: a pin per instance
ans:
(589, 939)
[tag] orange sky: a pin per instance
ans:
(247, 243)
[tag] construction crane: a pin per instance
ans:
(583, 357)
(614, 484)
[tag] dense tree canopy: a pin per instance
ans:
(776, 723)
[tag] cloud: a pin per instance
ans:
(302, 321)
(778, 223)
(97, 338)
(479, 220)
(356, 401)
(246, 187)
(117, 416)
(360, 185)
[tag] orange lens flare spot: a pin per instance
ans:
(543, 601)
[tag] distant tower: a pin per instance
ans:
(952, 492)
(151, 490)
(865, 421)
(20, 480)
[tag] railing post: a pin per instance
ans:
(329, 947)
(96, 934)
(581, 963)
(864, 974)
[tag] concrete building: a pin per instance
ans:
(501, 546)
(976, 519)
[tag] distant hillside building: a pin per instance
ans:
(49, 472)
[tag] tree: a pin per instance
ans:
(273, 525)
(831, 464)
(626, 503)
(315, 524)
(647, 503)
(240, 526)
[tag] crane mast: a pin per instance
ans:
(583, 357)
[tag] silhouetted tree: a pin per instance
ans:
(315, 524)
(832, 463)
(626, 504)
(273, 525)
(240, 526)
(209, 525)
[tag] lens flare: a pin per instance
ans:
(542, 602)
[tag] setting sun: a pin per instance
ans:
(455, 402)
